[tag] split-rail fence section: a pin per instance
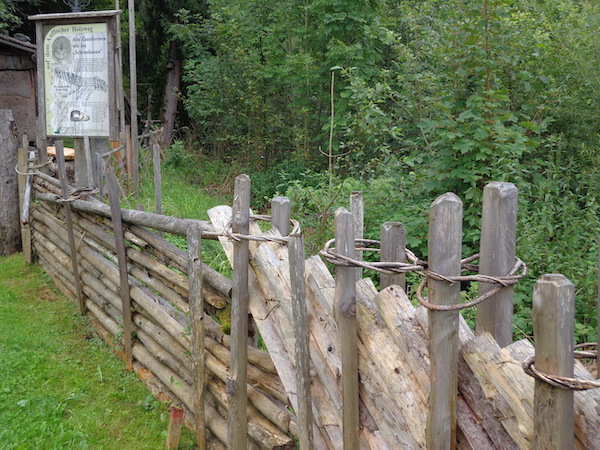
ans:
(347, 365)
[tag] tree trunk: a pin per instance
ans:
(169, 109)
(10, 230)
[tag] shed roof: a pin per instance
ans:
(12, 42)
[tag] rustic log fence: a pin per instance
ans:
(348, 366)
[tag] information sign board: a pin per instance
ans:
(77, 71)
(76, 78)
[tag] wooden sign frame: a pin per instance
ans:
(76, 74)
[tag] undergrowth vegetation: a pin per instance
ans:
(556, 231)
(404, 101)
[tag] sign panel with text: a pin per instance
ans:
(76, 79)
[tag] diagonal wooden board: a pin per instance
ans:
(261, 309)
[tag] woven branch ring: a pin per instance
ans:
(416, 265)
(559, 381)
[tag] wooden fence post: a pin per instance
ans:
(196, 300)
(280, 214)
(497, 257)
(10, 231)
(62, 172)
(100, 174)
(135, 168)
(344, 310)
(302, 356)
(25, 187)
(445, 241)
(237, 383)
(117, 224)
(157, 175)
(176, 414)
(89, 167)
(553, 313)
(357, 208)
(393, 246)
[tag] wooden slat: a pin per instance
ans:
(357, 208)
(280, 214)
(553, 312)
(157, 175)
(169, 224)
(497, 257)
(60, 157)
(117, 225)
(197, 332)
(25, 189)
(302, 354)
(236, 386)
(445, 240)
(393, 245)
(344, 309)
(133, 99)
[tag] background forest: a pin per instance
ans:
(403, 100)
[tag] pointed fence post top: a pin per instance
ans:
(241, 204)
(447, 198)
(553, 314)
(281, 208)
(344, 232)
(503, 189)
(552, 287)
(445, 234)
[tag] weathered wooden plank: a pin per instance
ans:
(445, 241)
(117, 224)
(553, 313)
(302, 354)
(174, 429)
(25, 189)
(281, 210)
(344, 308)
(60, 157)
(393, 246)
(236, 385)
(497, 257)
(357, 208)
(168, 224)
(273, 323)
(10, 230)
(197, 332)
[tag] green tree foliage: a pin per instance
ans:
(8, 19)
(259, 72)
(154, 20)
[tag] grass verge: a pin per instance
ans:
(60, 385)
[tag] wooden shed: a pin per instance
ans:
(17, 82)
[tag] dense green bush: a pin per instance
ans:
(405, 101)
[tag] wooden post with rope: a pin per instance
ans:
(344, 310)
(445, 242)
(497, 257)
(393, 247)
(553, 312)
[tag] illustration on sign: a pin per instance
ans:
(76, 80)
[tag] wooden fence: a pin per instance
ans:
(347, 366)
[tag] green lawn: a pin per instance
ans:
(60, 385)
